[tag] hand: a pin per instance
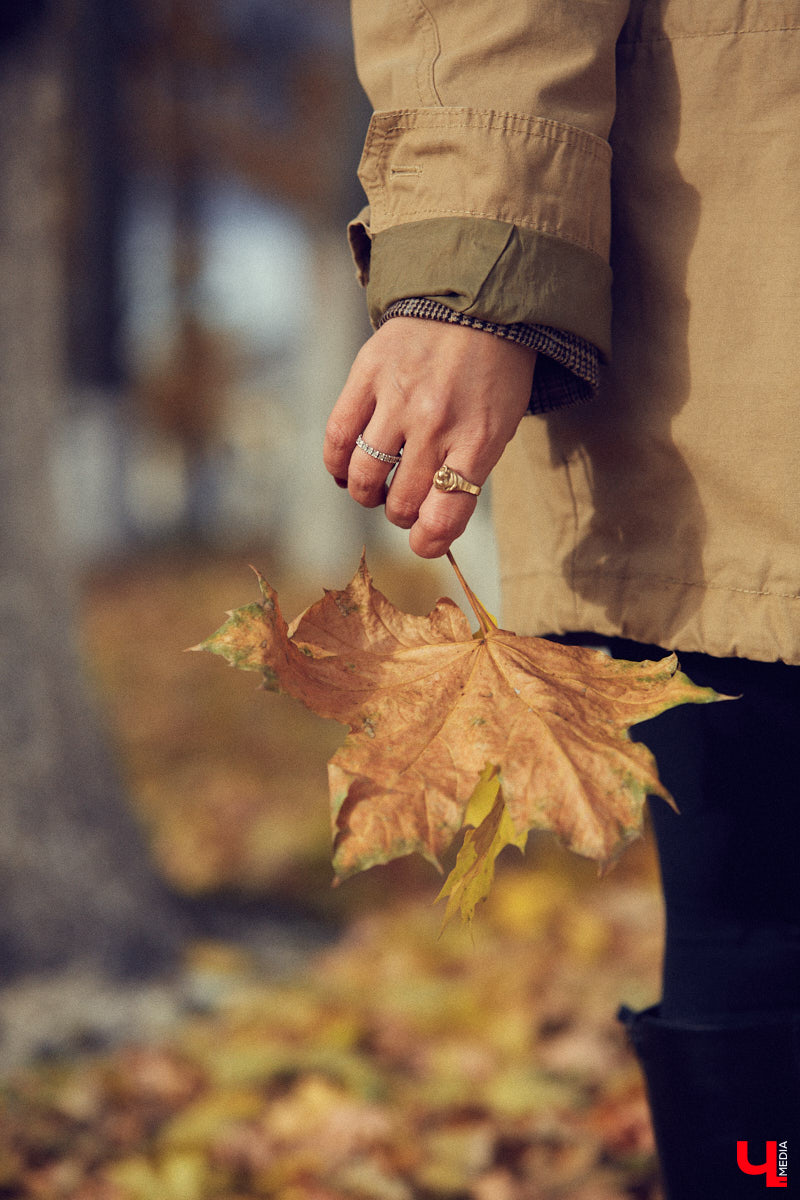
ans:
(445, 393)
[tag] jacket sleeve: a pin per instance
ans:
(486, 163)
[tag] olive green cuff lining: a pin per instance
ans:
(493, 271)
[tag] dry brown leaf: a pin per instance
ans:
(430, 706)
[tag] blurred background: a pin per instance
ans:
(178, 311)
(207, 158)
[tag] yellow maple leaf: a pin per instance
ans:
(488, 830)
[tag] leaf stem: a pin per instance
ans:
(485, 620)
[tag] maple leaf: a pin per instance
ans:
(430, 707)
(488, 830)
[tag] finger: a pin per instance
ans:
(371, 463)
(350, 414)
(443, 516)
(411, 481)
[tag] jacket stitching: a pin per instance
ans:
(671, 580)
(437, 41)
(683, 37)
(515, 123)
(711, 587)
(422, 17)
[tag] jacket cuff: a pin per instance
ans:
(487, 269)
(501, 215)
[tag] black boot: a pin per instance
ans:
(714, 1087)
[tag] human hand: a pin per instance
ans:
(445, 393)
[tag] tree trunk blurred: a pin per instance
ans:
(94, 320)
(75, 880)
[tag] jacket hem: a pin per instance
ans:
(686, 617)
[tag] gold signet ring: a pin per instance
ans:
(448, 480)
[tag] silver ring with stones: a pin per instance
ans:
(392, 459)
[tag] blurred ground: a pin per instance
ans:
(326, 1044)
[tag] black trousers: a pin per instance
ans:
(730, 862)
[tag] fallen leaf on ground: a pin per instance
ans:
(430, 708)
(397, 1065)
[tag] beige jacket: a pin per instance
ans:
(666, 510)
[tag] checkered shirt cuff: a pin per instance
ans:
(567, 369)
